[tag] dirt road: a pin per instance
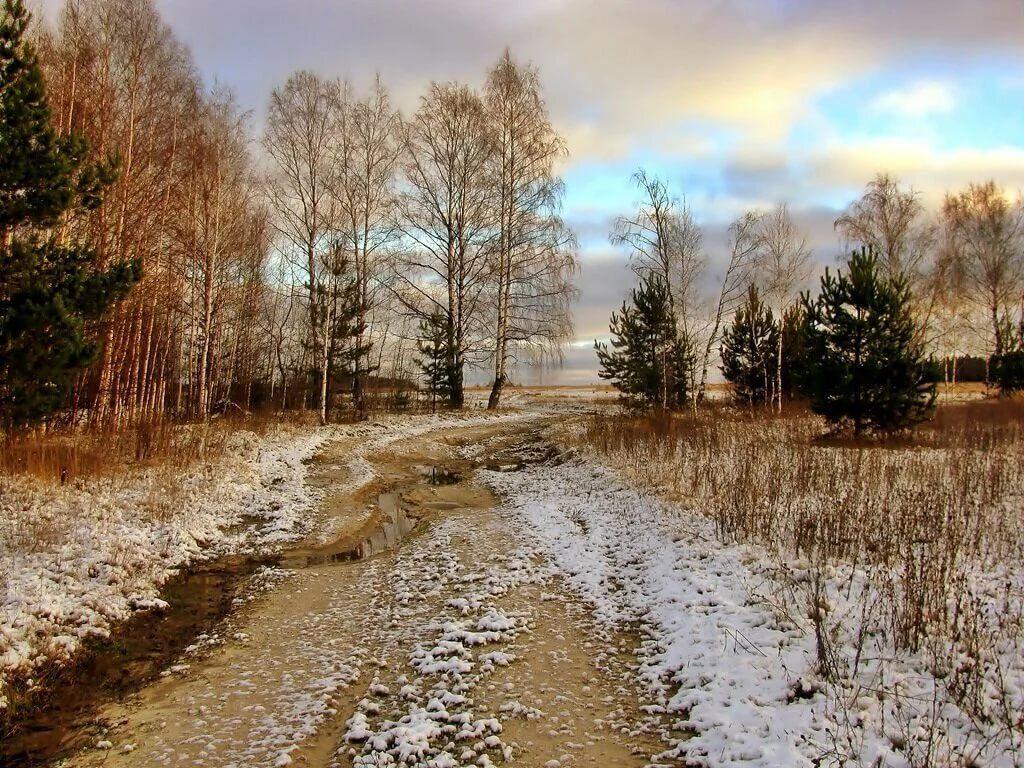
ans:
(417, 628)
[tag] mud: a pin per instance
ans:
(59, 717)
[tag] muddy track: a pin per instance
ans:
(405, 558)
(60, 717)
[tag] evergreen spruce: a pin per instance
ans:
(749, 351)
(49, 290)
(648, 362)
(433, 346)
(346, 354)
(1008, 372)
(862, 365)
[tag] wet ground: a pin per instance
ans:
(281, 656)
(63, 718)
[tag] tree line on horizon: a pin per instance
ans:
(292, 274)
(919, 292)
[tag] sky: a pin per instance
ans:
(738, 104)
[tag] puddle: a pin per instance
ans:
(517, 457)
(392, 525)
(439, 475)
(107, 670)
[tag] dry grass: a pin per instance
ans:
(72, 454)
(912, 544)
(924, 505)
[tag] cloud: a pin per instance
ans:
(930, 169)
(918, 100)
(619, 76)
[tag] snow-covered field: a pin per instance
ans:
(731, 653)
(715, 658)
(75, 560)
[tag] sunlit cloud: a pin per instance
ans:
(931, 170)
(918, 100)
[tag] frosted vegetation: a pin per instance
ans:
(901, 563)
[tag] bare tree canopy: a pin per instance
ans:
(891, 221)
(303, 124)
(534, 255)
(446, 217)
(986, 247)
(783, 266)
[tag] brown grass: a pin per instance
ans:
(70, 454)
(926, 529)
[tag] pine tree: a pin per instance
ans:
(793, 347)
(749, 347)
(433, 346)
(862, 365)
(349, 345)
(648, 361)
(49, 290)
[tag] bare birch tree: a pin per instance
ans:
(988, 234)
(664, 239)
(784, 265)
(743, 253)
(892, 222)
(302, 131)
(445, 216)
(948, 283)
(369, 147)
(534, 255)
(216, 235)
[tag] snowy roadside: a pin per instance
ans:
(736, 676)
(77, 560)
(80, 558)
(730, 650)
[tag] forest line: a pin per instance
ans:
(350, 245)
(294, 280)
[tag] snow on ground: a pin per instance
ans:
(427, 715)
(731, 652)
(77, 559)
(714, 657)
